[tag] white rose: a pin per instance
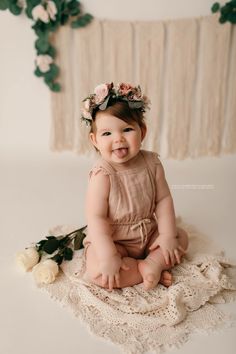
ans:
(45, 272)
(40, 13)
(27, 259)
(87, 105)
(86, 114)
(43, 61)
(52, 10)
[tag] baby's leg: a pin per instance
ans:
(153, 265)
(127, 277)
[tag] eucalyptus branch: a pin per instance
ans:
(48, 16)
(227, 11)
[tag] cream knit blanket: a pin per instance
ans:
(140, 321)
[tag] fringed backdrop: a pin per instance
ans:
(186, 67)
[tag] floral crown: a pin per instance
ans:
(105, 93)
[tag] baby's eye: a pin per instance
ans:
(128, 129)
(106, 133)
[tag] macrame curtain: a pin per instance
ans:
(186, 67)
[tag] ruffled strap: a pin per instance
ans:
(101, 167)
(152, 160)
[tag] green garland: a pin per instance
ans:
(48, 16)
(227, 11)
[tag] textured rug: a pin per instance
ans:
(139, 321)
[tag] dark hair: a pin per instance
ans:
(121, 110)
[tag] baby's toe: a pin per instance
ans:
(166, 278)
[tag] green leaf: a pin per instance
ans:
(63, 241)
(42, 45)
(52, 51)
(40, 245)
(51, 245)
(82, 21)
(56, 87)
(3, 4)
(64, 19)
(215, 7)
(30, 5)
(74, 4)
(38, 73)
(52, 73)
(232, 17)
(225, 10)
(15, 9)
(58, 258)
(74, 12)
(78, 240)
(223, 19)
(68, 254)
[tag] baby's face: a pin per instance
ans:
(116, 140)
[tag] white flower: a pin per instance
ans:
(27, 258)
(43, 62)
(87, 105)
(45, 272)
(40, 13)
(21, 3)
(52, 10)
(86, 114)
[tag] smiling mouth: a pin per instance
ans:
(120, 152)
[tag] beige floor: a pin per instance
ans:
(43, 191)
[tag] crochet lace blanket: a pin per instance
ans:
(140, 321)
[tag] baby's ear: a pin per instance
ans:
(143, 132)
(93, 139)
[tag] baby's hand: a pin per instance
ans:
(170, 248)
(109, 269)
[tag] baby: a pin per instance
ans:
(132, 235)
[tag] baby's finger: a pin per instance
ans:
(172, 258)
(104, 280)
(166, 257)
(111, 283)
(177, 256)
(117, 278)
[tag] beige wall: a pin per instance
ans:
(25, 100)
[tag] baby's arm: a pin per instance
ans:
(99, 229)
(167, 239)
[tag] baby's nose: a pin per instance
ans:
(119, 137)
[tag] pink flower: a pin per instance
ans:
(43, 61)
(44, 15)
(40, 13)
(52, 10)
(123, 89)
(136, 94)
(101, 91)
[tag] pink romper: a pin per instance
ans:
(132, 203)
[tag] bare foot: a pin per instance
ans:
(151, 272)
